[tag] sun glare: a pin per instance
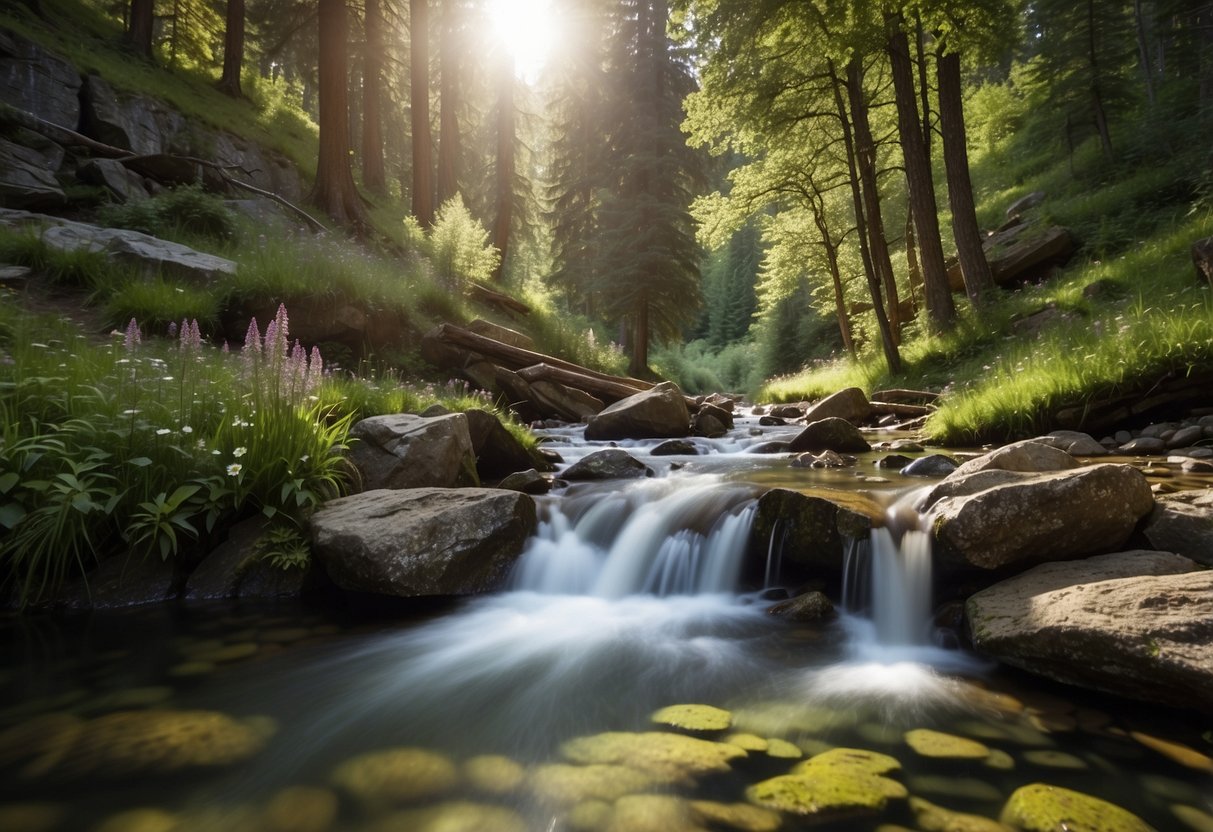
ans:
(526, 28)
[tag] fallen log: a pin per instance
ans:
(517, 358)
(896, 409)
(483, 294)
(903, 396)
(608, 390)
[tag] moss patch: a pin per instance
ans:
(672, 758)
(939, 745)
(1043, 808)
(694, 717)
(397, 775)
(932, 818)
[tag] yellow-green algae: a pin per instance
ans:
(453, 817)
(694, 717)
(855, 759)
(1050, 758)
(932, 818)
(939, 745)
(999, 760)
(1042, 808)
(783, 750)
(494, 774)
(740, 816)
(396, 775)
(746, 742)
(672, 757)
(652, 813)
(568, 785)
(826, 794)
(300, 809)
(1175, 751)
(589, 816)
(1193, 818)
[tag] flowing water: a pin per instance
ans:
(626, 601)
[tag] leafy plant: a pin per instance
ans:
(459, 245)
(157, 522)
(283, 547)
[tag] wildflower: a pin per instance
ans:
(132, 338)
(130, 412)
(315, 370)
(239, 452)
(252, 338)
(234, 469)
(163, 432)
(187, 430)
(172, 329)
(215, 452)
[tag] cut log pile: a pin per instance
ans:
(536, 386)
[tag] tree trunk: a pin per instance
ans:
(419, 106)
(865, 161)
(334, 191)
(639, 365)
(233, 49)
(373, 176)
(941, 313)
(139, 32)
(840, 301)
(448, 115)
(979, 282)
(924, 87)
(505, 161)
(1143, 51)
(888, 341)
(1204, 27)
(1097, 109)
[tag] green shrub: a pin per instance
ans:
(159, 303)
(187, 210)
(459, 246)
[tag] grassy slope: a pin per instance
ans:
(1150, 318)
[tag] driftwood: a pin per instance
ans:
(133, 161)
(607, 389)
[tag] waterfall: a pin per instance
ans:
(661, 537)
(899, 576)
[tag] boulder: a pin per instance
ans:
(529, 481)
(1183, 523)
(788, 411)
(1073, 442)
(132, 122)
(1021, 252)
(850, 404)
(659, 413)
(38, 82)
(722, 415)
(1026, 455)
(1136, 624)
(1144, 446)
(115, 177)
(801, 531)
(240, 568)
(811, 606)
(608, 464)
(125, 580)
(831, 434)
(774, 446)
(931, 465)
(498, 452)
(422, 541)
(563, 401)
(676, 447)
(25, 181)
(708, 425)
(406, 451)
(1053, 516)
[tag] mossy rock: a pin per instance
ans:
(783, 750)
(827, 794)
(694, 717)
(999, 760)
(673, 758)
(301, 809)
(566, 785)
(741, 816)
(938, 745)
(851, 759)
(140, 820)
(747, 742)
(453, 817)
(1042, 808)
(396, 775)
(589, 816)
(932, 818)
(779, 719)
(494, 774)
(1049, 758)
(652, 813)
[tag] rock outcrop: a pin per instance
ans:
(422, 541)
(1021, 520)
(1137, 624)
(659, 413)
(830, 434)
(406, 451)
(850, 404)
(1183, 523)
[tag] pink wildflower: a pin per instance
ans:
(132, 338)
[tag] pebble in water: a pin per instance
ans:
(1043, 808)
(932, 818)
(140, 820)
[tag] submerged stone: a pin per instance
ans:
(31, 817)
(1049, 758)
(568, 785)
(494, 774)
(694, 717)
(1175, 751)
(672, 758)
(300, 809)
(747, 742)
(453, 817)
(139, 820)
(1193, 818)
(652, 813)
(741, 816)
(1043, 808)
(937, 744)
(827, 795)
(964, 788)
(782, 749)
(589, 816)
(850, 759)
(932, 818)
(396, 775)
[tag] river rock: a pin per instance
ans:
(396, 775)
(802, 530)
(528, 482)
(675, 447)
(809, 606)
(931, 465)
(659, 413)
(1026, 455)
(672, 758)
(1144, 446)
(789, 411)
(402, 450)
(422, 541)
(831, 434)
(850, 404)
(774, 446)
(608, 464)
(240, 568)
(1053, 516)
(1183, 523)
(498, 452)
(1185, 436)
(1042, 808)
(1136, 624)
(1073, 442)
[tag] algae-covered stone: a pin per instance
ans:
(40, 743)
(1048, 758)
(1175, 751)
(652, 813)
(939, 745)
(300, 809)
(963, 788)
(932, 818)
(396, 775)
(674, 758)
(694, 717)
(139, 820)
(453, 817)
(494, 774)
(999, 759)
(30, 817)
(747, 742)
(589, 816)
(160, 742)
(770, 719)
(1193, 818)
(826, 795)
(1042, 808)
(783, 750)
(741, 816)
(851, 759)
(569, 785)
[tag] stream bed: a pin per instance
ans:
(533, 709)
